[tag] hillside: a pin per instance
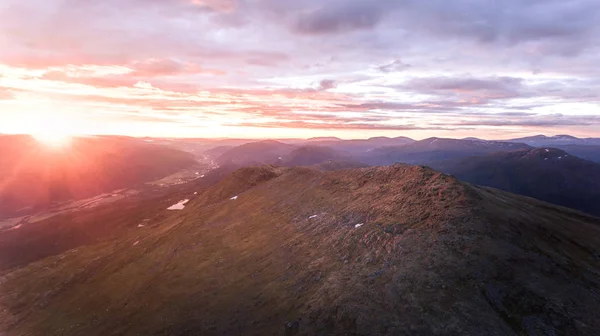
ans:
(338, 165)
(435, 149)
(255, 153)
(551, 175)
(587, 152)
(34, 176)
(313, 155)
(361, 146)
(217, 151)
(198, 147)
(275, 152)
(387, 251)
(87, 222)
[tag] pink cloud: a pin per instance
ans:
(168, 67)
(108, 81)
(39, 61)
(152, 71)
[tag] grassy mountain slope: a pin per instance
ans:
(255, 153)
(313, 155)
(46, 234)
(289, 256)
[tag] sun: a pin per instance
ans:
(53, 140)
(53, 130)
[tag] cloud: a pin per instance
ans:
(168, 67)
(339, 17)
(536, 121)
(98, 81)
(490, 88)
(327, 84)
(426, 106)
(153, 71)
(343, 126)
(394, 66)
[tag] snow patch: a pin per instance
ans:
(313, 216)
(179, 206)
(137, 242)
(358, 225)
(196, 193)
(141, 225)
(234, 198)
(547, 151)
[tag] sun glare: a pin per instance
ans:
(53, 140)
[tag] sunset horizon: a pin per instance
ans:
(315, 136)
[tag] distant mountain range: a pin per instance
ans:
(585, 148)
(374, 151)
(548, 174)
(360, 146)
(435, 149)
(551, 175)
(275, 152)
(542, 140)
(249, 152)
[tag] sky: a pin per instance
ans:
(289, 68)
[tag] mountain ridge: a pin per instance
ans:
(561, 139)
